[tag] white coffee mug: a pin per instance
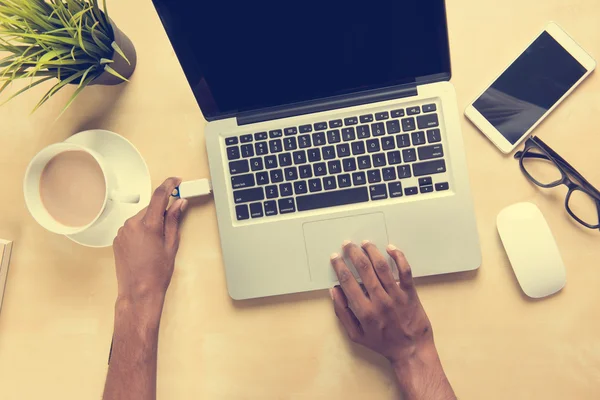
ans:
(31, 188)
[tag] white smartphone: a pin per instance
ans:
(551, 67)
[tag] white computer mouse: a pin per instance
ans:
(532, 250)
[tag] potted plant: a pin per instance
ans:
(72, 41)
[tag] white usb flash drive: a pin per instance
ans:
(200, 187)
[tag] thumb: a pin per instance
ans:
(172, 221)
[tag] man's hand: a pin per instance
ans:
(388, 318)
(146, 246)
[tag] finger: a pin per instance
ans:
(381, 267)
(365, 269)
(345, 314)
(154, 217)
(172, 222)
(356, 298)
(404, 270)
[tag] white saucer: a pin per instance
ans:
(132, 174)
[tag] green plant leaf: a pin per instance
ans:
(77, 92)
(115, 73)
(23, 90)
(115, 46)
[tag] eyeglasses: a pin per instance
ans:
(544, 167)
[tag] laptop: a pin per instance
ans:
(327, 121)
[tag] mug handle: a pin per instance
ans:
(120, 197)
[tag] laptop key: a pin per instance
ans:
(304, 141)
(242, 212)
(256, 164)
(256, 210)
(363, 131)
(429, 152)
(343, 150)
(404, 171)
(300, 187)
(300, 157)
(336, 123)
(314, 155)
(349, 164)
(333, 198)
(344, 181)
(366, 118)
(272, 192)
(389, 174)
(358, 148)
(394, 157)
(247, 150)
(290, 143)
(333, 136)
(260, 136)
(429, 108)
(426, 189)
(277, 176)
(285, 159)
(418, 138)
(314, 185)
(329, 183)
(286, 189)
(239, 167)
(262, 178)
(242, 181)
(428, 121)
(380, 116)
(350, 121)
(233, 153)
(429, 167)
(230, 141)
(408, 124)
(270, 208)
(359, 178)
(348, 134)
(328, 152)
(277, 133)
(320, 126)
(442, 186)
(413, 110)
(305, 128)
(290, 131)
(287, 206)
(411, 191)
(291, 174)
(271, 162)
(397, 113)
(388, 143)
(395, 189)
(335, 167)
(374, 176)
(373, 145)
(379, 160)
(392, 126)
(320, 169)
(305, 171)
(403, 140)
(425, 181)
(364, 162)
(378, 192)
(275, 146)
(261, 148)
(246, 138)
(409, 155)
(378, 129)
(319, 139)
(248, 195)
(434, 136)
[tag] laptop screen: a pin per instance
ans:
(242, 56)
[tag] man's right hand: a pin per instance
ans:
(389, 319)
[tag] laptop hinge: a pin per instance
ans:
(330, 103)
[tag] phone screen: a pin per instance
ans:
(538, 79)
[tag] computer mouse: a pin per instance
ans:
(532, 250)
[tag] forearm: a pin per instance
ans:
(132, 370)
(421, 377)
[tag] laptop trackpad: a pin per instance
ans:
(323, 238)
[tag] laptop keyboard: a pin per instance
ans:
(345, 161)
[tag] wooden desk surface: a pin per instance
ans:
(56, 324)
